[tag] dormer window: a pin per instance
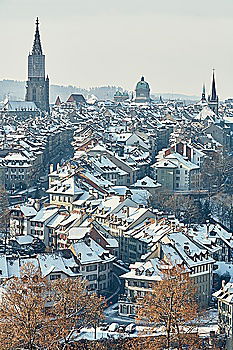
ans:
(139, 272)
(149, 272)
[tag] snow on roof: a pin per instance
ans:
(71, 218)
(28, 211)
(140, 196)
(52, 262)
(224, 268)
(25, 239)
(98, 148)
(16, 156)
(65, 187)
(76, 233)
(98, 180)
(85, 254)
(210, 233)
(225, 293)
(112, 243)
(45, 213)
(82, 199)
(120, 190)
(21, 106)
(191, 252)
(205, 113)
(162, 163)
(56, 220)
(146, 182)
(178, 157)
(148, 271)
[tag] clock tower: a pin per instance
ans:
(37, 88)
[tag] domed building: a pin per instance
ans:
(142, 91)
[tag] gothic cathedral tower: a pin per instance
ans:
(213, 98)
(37, 89)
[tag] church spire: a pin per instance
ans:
(213, 98)
(37, 49)
(203, 98)
(213, 89)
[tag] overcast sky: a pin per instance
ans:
(173, 43)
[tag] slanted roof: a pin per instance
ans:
(77, 98)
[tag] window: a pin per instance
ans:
(91, 268)
(55, 277)
(92, 277)
(102, 277)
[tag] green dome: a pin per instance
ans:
(142, 84)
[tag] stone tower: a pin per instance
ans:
(213, 99)
(37, 88)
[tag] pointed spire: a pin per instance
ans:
(203, 89)
(37, 49)
(58, 101)
(213, 89)
(203, 93)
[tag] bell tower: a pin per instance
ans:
(37, 88)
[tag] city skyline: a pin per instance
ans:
(175, 59)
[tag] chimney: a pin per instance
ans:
(121, 199)
(37, 205)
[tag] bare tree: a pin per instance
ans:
(217, 172)
(184, 207)
(172, 303)
(37, 314)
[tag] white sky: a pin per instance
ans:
(173, 43)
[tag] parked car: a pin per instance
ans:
(121, 329)
(104, 326)
(131, 328)
(113, 327)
